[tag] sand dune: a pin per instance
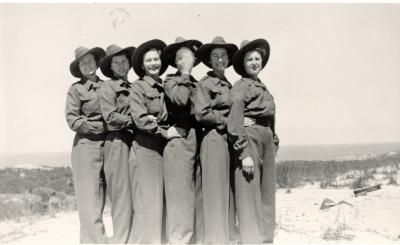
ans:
(374, 218)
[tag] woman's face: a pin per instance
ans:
(219, 59)
(87, 65)
(120, 65)
(184, 58)
(152, 62)
(252, 63)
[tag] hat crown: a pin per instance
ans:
(112, 49)
(80, 51)
(244, 43)
(218, 40)
(179, 39)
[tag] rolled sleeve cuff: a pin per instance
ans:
(245, 153)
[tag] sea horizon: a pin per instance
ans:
(311, 152)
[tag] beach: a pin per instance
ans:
(370, 218)
(374, 218)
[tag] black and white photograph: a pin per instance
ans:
(200, 123)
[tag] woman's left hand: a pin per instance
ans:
(276, 142)
(152, 118)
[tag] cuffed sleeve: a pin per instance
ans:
(78, 122)
(115, 120)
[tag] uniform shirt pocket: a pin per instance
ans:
(220, 96)
(122, 97)
(90, 103)
(153, 102)
(252, 94)
(86, 95)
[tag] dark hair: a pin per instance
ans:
(152, 49)
(262, 51)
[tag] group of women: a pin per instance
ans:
(181, 160)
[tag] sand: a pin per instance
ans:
(373, 218)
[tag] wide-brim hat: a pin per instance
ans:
(138, 55)
(97, 52)
(111, 51)
(170, 50)
(246, 46)
(218, 42)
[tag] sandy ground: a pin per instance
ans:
(374, 218)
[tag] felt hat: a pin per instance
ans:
(138, 54)
(218, 42)
(246, 46)
(97, 52)
(170, 50)
(111, 51)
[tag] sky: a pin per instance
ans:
(334, 69)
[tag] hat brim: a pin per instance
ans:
(138, 54)
(98, 54)
(105, 63)
(238, 58)
(206, 49)
(170, 51)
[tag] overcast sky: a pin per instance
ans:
(334, 69)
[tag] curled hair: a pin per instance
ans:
(261, 51)
(154, 49)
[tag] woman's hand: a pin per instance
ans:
(248, 121)
(96, 127)
(248, 165)
(152, 118)
(174, 132)
(185, 65)
(276, 142)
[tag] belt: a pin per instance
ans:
(121, 134)
(263, 121)
(93, 137)
(205, 130)
(150, 141)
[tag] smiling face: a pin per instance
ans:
(87, 65)
(219, 59)
(152, 62)
(120, 66)
(252, 63)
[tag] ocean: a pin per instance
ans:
(336, 152)
(293, 152)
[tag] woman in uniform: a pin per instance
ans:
(150, 115)
(254, 145)
(180, 153)
(114, 102)
(84, 117)
(211, 106)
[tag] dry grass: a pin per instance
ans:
(15, 206)
(291, 174)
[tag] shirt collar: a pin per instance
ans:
(178, 73)
(122, 83)
(151, 81)
(222, 81)
(255, 82)
(89, 84)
